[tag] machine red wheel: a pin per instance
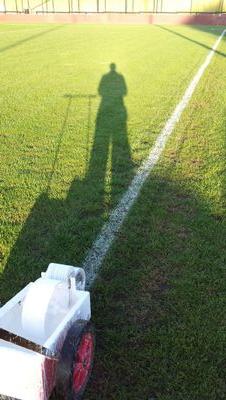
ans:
(83, 362)
(76, 361)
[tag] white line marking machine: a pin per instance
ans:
(46, 338)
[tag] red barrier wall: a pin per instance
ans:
(117, 18)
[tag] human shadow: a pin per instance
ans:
(111, 131)
(63, 230)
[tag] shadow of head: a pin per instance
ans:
(113, 67)
(112, 85)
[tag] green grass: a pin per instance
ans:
(159, 302)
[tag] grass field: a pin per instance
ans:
(67, 156)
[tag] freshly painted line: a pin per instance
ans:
(107, 235)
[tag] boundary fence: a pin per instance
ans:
(111, 6)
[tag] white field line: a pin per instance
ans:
(101, 245)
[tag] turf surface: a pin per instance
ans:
(66, 158)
